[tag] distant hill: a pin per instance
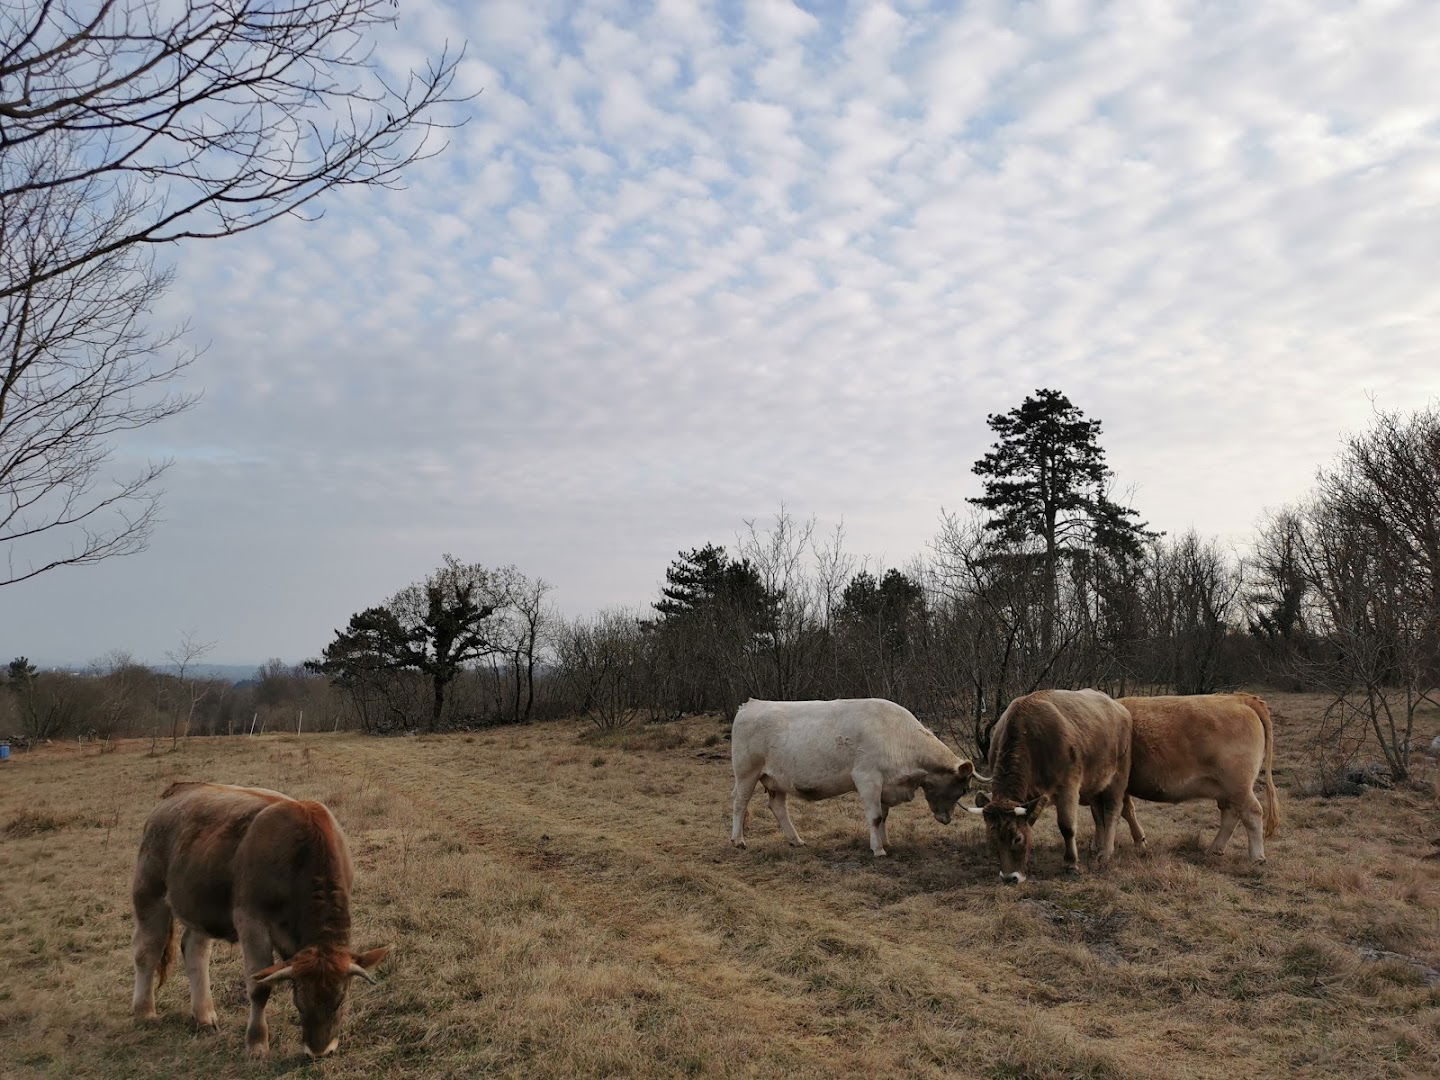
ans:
(231, 673)
(234, 673)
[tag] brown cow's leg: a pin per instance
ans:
(1254, 819)
(195, 947)
(1137, 834)
(1067, 809)
(258, 952)
(1228, 818)
(153, 946)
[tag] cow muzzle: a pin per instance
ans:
(329, 1049)
(1014, 877)
(942, 818)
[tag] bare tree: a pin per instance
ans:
(184, 657)
(602, 662)
(518, 628)
(128, 124)
(1191, 592)
(1370, 549)
(784, 662)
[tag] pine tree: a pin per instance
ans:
(1045, 480)
(704, 578)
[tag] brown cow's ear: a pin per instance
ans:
(275, 973)
(982, 800)
(361, 963)
(1040, 803)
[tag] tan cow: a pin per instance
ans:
(261, 868)
(1071, 747)
(1205, 746)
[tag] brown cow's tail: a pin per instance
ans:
(1272, 804)
(167, 956)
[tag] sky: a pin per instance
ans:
(687, 262)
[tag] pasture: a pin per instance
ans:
(564, 904)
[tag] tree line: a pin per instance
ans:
(1046, 579)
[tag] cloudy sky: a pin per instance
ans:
(690, 260)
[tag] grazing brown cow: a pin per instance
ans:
(1066, 746)
(1206, 746)
(261, 868)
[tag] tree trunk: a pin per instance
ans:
(438, 705)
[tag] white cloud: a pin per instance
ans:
(690, 260)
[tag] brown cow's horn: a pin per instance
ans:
(356, 969)
(279, 975)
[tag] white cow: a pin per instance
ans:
(820, 749)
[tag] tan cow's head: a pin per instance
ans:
(1009, 826)
(944, 789)
(320, 981)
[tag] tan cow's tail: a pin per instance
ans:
(1272, 804)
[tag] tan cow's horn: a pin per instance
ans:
(356, 969)
(981, 779)
(973, 809)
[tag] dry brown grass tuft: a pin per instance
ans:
(552, 916)
(30, 822)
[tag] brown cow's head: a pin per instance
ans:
(1008, 824)
(320, 979)
(944, 789)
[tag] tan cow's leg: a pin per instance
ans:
(1108, 819)
(1229, 816)
(258, 953)
(782, 815)
(1137, 834)
(744, 788)
(1254, 819)
(195, 947)
(153, 947)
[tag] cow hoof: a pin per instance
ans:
(739, 844)
(258, 1051)
(1073, 871)
(880, 854)
(146, 1015)
(1260, 861)
(207, 1025)
(796, 842)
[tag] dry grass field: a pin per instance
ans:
(567, 906)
